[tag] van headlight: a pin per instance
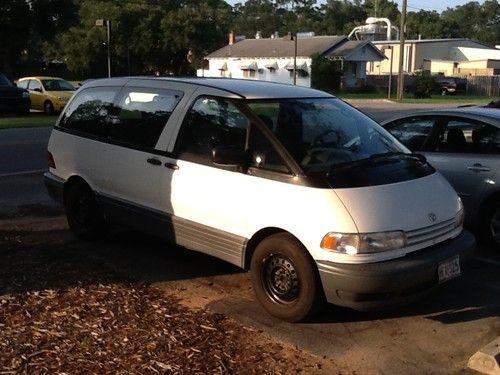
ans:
(363, 243)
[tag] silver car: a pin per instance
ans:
(464, 145)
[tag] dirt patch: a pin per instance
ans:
(62, 311)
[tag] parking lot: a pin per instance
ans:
(437, 335)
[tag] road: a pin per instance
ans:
(435, 336)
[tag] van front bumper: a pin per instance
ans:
(395, 282)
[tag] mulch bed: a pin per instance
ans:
(61, 313)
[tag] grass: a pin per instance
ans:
(408, 98)
(33, 120)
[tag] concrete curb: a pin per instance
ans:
(487, 360)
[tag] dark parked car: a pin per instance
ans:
(451, 85)
(464, 145)
(13, 99)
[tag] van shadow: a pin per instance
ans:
(55, 260)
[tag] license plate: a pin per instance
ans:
(449, 269)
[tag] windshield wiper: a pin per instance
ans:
(377, 159)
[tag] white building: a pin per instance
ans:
(273, 59)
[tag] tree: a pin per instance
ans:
(14, 32)
(382, 9)
(156, 35)
(325, 74)
(475, 21)
(341, 16)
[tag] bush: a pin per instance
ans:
(423, 84)
(325, 74)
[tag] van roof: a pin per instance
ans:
(248, 89)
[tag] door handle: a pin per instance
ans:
(478, 168)
(154, 161)
(171, 166)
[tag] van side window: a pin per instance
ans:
(141, 116)
(211, 122)
(264, 155)
(88, 112)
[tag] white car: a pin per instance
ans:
(316, 199)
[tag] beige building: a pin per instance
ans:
(439, 56)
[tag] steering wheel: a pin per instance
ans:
(319, 140)
(326, 156)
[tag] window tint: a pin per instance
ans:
(465, 136)
(142, 115)
(90, 111)
(57, 85)
(211, 122)
(34, 84)
(264, 155)
(412, 132)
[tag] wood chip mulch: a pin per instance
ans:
(54, 321)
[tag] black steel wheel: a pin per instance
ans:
(84, 216)
(285, 278)
(489, 227)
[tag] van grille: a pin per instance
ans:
(429, 233)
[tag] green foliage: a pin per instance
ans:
(423, 85)
(155, 36)
(325, 74)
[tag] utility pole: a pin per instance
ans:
(295, 60)
(402, 35)
(107, 24)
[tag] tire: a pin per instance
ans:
(285, 279)
(48, 107)
(85, 219)
(489, 227)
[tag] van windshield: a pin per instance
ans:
(328, 137)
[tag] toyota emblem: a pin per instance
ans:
(432, 217)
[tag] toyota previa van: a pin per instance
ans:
(311, 195)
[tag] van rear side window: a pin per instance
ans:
(88, 112)
(141, 116)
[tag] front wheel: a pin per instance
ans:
(489, 229)
(84, 216)
(284, 278)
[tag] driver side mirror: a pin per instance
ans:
(229, 157)
(37, 89)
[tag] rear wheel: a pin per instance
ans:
(285, 278)
(84, 216)
(48, 107)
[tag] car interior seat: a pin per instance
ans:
(455, 140)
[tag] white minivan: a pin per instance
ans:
(311, 195)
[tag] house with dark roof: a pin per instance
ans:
(276, 59)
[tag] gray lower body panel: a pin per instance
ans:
(192, 235)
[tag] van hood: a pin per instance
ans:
(406, 206)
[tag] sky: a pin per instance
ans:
(413, 5)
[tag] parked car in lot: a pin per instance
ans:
(451, 85)
(318, 200)
(13, 99)
(48, 94)
(464, 145)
